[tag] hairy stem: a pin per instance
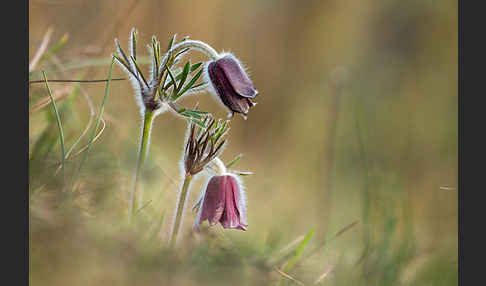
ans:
(191, 44)
(218, 166)
(142, 154)
(179, 211)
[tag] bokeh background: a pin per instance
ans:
(353, 145)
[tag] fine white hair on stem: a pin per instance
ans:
(144, 156)
(181, 219)
(163, 108)
(182, 165)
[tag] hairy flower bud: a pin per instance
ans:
(203, 144)
(231, 84)
(223, 201)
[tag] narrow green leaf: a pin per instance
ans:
(199, 85)
(189, 113)
(134, 43)
(120, 61)
(171, 42)
(199, 112)
(198, 122)
(216, 151)
(173, 80)
(191, 83)
(58, 119)
(139, 71)
(121, 52)
(221, 131)
(234, 161)
(195, 66)
(192, 115)
(155, 60)
(179, 75)
(185, 72)
(158, 49)
(243, 173)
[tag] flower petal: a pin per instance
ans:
(214, 200)
(237, 76)
(231, 214)
(240, 201)
(225, 91)
(230, 217)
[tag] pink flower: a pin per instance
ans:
(231, 84)
(223, 201)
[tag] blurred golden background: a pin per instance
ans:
(356, 121)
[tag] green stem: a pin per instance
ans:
(142, 155)
(180, 210)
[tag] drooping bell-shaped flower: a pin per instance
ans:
(223, 201)
(231, 84)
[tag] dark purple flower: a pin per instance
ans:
(232, 84)
(224, 202)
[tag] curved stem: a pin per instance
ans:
(192, 44)
(179, 211)
(142, 154)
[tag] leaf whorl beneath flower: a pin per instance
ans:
(162, 86)
(204, 144)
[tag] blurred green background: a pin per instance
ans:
(353, 141)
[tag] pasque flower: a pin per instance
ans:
(203, 145)
(231, 84)
(223, 201)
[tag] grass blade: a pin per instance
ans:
(97, 123)
(334, 236)
(290, 263)
(58, 119)
(55, 48)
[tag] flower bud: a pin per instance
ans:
(223, 201)
(231, 84)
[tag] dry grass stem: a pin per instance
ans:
(288, 276)
(42, 49)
